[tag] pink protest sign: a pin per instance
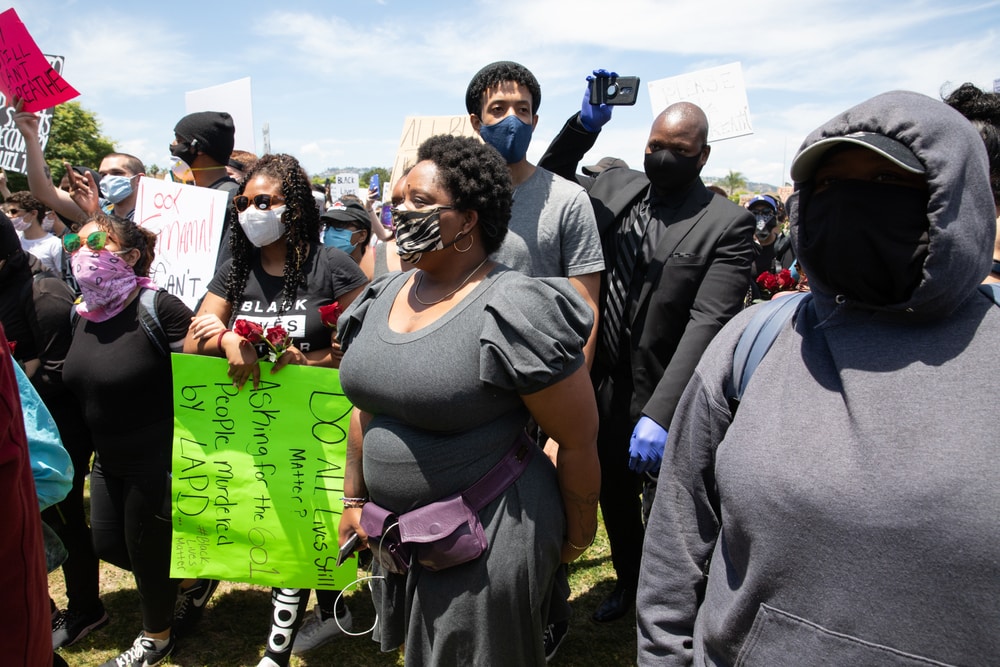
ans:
(24, 72)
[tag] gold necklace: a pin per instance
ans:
(460, 286)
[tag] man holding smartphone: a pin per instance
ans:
(552, 230)
(679, 267)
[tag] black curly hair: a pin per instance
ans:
(128, 235)
(477, 179)
(492, 76)
(301, 220)
(983, 109)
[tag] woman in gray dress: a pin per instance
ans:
(445, 363)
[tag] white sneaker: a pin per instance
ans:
(267, 662)
(316, 632)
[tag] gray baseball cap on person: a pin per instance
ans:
(804, 165)
(603, 164)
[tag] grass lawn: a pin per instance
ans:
(233, 630)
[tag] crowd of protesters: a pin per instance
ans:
(530, 343)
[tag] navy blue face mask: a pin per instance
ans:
(510, 137)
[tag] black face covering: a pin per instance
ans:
(184, 151)
(668, 171)
(866, 241)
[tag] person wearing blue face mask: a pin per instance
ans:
(552, 228)
(348, 227)
(87, 192)
(553, 232)
(119, 185)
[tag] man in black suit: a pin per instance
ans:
(678, 261)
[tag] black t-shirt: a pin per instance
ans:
(228, 185)
(329, 274)
(125, 385)
(35, 312)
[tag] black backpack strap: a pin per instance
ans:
(150, 322)
(760, 333)
(992, 292)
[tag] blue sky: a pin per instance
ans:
(335, 80)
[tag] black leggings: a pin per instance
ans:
(68, 517)
(288, 610)
(130, 520)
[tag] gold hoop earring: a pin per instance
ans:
(471, 242)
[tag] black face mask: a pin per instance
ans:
(867, 241)
(184, 151)
(668, 171)
(766, 222)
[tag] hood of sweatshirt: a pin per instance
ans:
(960, 210)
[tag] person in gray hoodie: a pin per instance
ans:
(847, 513)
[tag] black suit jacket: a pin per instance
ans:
(696, 278)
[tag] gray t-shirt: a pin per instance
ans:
(553, 232)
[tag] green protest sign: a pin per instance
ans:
(258, 475)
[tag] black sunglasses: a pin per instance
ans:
(261, 202)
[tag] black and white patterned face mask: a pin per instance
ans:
(418, 232)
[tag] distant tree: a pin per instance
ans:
(75, 138)
(153, 170)
(366, 176)
(733, 181)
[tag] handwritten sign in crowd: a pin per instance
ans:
(25, 73)
(188, 222)
(346, 184)
(258, 475)
(13, 156)
(417, 129)
(719, 91)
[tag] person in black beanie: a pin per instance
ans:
(203, 142)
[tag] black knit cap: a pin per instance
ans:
(211, 132)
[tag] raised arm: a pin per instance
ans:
(578, 135)
(39, 178)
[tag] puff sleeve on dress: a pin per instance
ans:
(533, 333)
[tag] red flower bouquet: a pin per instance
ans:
(772, 283)
(276, 338)
(252, 331)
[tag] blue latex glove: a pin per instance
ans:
(595, 116)
(645, 448)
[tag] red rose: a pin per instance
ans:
(329, 314)
(277, 337)
(785, 280)
(767, 281)
(252, 331)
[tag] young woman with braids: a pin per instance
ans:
(278, 273)
(128, 408)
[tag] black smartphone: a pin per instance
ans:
(347, 549)
(614, 90)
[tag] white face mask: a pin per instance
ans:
(20, 224)
(49, 222)
(262, 227)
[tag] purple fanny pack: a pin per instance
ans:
(447, 532)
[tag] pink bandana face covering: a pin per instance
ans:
(106, 281)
